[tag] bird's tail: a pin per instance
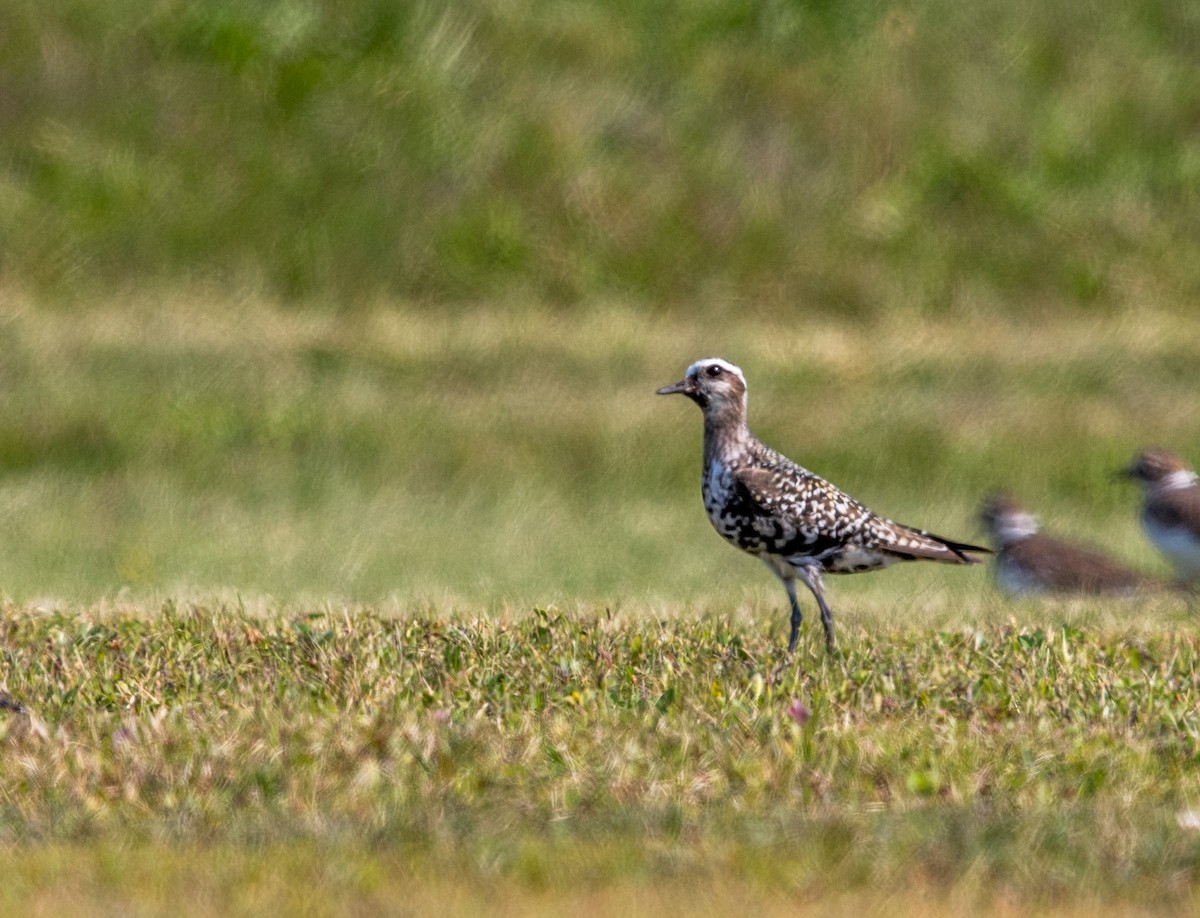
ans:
(911, 544)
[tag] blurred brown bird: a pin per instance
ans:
(1029, 562)
(1170, 509)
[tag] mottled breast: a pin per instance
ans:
(737, 517)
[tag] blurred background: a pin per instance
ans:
(368, 300)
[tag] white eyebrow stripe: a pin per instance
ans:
(696, 367)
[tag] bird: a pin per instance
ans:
(799, 525)
(1170, 514)
(1029, 562)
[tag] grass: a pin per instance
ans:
(579, 756)
(195, 446)
(352, 316)
(395, 725)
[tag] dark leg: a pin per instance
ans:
(812, 580)
(827, 621)
(790, 586)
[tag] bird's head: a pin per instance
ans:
(716, 385)
(1158, 469)
(1006, 521)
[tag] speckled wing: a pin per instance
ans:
(817, 516)
(825, 517)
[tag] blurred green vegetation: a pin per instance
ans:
(486, 456)
(369, 299)
(848, 157)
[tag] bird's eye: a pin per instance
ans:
(714, 370)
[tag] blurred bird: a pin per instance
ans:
(796, 522)
(1171, 509)
(1029, 562)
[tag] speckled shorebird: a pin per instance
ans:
(799, 524)
(1029, 562)
(1171, 509)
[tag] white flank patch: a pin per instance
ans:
(852, 557)
(1181, 547)
(1176, 481)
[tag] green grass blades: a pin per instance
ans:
(554, 752)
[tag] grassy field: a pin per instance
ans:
(209, 447)
(349, 564)
(474, 647)
(600, 762)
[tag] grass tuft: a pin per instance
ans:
(1033, 763)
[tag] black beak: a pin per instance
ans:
(1123, 474)
(683, 387)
